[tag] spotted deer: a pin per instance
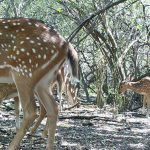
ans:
(8, 91)
(142, 87)
(34, 53)
(65, 86)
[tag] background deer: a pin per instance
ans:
(65, 86)
(34, 53)
(142, 87)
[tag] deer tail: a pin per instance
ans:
(73, 62)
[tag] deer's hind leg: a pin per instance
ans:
(51, 108)
(144, 103)
(39, 119)
(25, 93)
(59, 92)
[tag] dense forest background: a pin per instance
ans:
(112, 39)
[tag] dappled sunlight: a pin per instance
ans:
(142, 131)
(139, 146)
(89, 129)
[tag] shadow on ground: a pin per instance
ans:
(85, 128)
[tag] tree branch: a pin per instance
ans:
(92, 16)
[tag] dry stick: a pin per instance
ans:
(69, 108)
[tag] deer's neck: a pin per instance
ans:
(134, 86)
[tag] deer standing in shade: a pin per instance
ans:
(34, 53)
(141, 87)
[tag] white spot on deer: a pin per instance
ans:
(18, 23)
(36, 65)
(53, 39)
(21, 42)
(22, 29)
(14, 23)
(39, 56)
(28, 53)
(54, 46)
(22, 49)
(24, 66)
(27, 38)
(14, 37)
(37, 25)
(33, 50)
(45, 40)
(11, 56)
(30, 74)
(37, 38)
(44, 57)
(39, 44)
(29, 23)
(13, 41)
(30, 61)
(52, 58)
(52, 51)
(1, 33)
(20, 65)
(17, 52)
(31, 41)
(23, 62)
(26, 70)
(14, 48)
(23, 73)
(17, 30)
(14, 57)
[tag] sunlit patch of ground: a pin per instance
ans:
(77, 130)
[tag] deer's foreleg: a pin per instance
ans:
(25, 93)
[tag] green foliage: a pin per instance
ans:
(59, 10)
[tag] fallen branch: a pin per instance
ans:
(78, 117)
(88, 118)
(75, 105)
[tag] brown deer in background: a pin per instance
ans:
(33, 53)
(142, 87)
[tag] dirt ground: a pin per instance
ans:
(84, 128)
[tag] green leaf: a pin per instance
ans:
(139, 26)
(59, 10)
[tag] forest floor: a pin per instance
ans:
(84, 128)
